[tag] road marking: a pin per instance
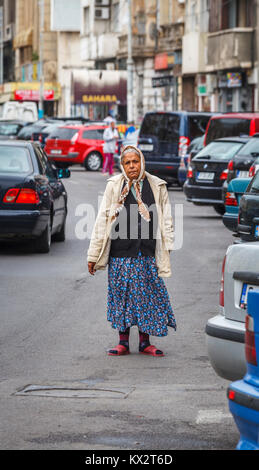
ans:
(212, 416)
(73, 182)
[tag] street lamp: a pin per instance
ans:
(41, 51)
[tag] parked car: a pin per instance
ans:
(231, 197)
(80, 145)
(233, 124)
(248, 218)
(243, 395)
(240, 165)
(164, 138)
(43, 133)
(208, 171)
(195, 146)
(225, 332)
(26, 132)
(9, 129)
(33, 200)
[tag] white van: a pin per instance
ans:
(25, 111)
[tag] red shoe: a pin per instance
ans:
(152, 351)
(120, 350)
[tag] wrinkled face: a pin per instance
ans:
(132, 165)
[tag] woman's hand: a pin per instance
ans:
(91, 268)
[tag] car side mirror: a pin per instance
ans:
(62, 173)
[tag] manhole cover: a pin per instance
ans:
(73, 391)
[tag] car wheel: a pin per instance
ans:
(61, 235)
(220, 209)
(93, 162)
(44, 241)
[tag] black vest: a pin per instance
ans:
(131, 234)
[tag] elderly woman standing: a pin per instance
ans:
(133, 235)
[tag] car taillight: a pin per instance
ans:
(74, 138)
(21, 196)
(40, 138)
(11, 195)
(252, 171)
(230, 199)
(221, 293)
(224, 175)
(190, 172)
(250, 348)
(231, 165)
(183, 146)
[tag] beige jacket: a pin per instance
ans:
(100, 244)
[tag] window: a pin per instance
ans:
(251, 148)
(165, 127)
(15, 160)
(63, 134)
(96, 134)
(86, 18)
(197, 126)
(219, 150)
(44, 165)
(227, 128)
(115, 18)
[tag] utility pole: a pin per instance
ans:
(41, 53)
(130, 66)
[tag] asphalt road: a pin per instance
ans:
(54, 336)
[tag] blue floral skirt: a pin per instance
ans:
(137, 296)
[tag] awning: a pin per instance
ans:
(23, 39)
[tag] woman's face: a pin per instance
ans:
(132, 165)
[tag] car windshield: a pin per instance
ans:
(219, 150)
(250, 148)
(9, 129)
(228, 127)
(165, 127)
(14, 160)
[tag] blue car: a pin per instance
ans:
(232, 194)
(243, 395)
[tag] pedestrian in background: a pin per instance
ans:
(133, 235)
(110, 137)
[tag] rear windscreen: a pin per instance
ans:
(165, 127)
(14, 160)
(95, 134)
(63, 134)
(251, 148)
(197, 126)
(228, 127)
(9, 129)
(219, 151)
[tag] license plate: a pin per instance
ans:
(146, 147)
(245, 291)
(56, 152)
(242, 174)
(257, 231)
(202, 175)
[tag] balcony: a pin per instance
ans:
(231, 48)
(142, 46)
(170, 37)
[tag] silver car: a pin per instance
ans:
(225, 333)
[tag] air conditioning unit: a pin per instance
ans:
(181, 1)
(9, 32)
(102, 3)
(102, 13)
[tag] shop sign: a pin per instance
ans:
(102, 87)
(163, 81)
(164, 61)
(33, 95)
(99, 99)
(234, 79)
